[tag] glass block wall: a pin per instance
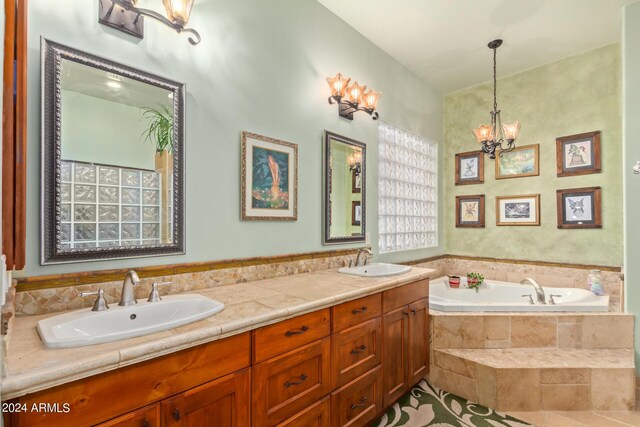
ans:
(407, 190)
(109, 206)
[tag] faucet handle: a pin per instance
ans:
(154, 296)
(100, 304)
(350, 263)
(552, 301)
(530, 302)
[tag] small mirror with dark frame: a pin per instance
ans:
(112, 181)
(344, 190)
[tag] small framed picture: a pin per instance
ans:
(470, 168)
(356, 182)
(578, 154)
(269, 179)
(518, 210)
(470, 211)
(356, 213)
(579, 208)
(522, 161)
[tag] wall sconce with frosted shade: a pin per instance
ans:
(352, 97)
(355, 161)
(125, 16)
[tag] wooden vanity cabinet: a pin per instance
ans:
(335, 367)
(405, 326)
(102, 397)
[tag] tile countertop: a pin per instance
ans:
(31, 367)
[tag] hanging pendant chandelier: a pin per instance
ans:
(492, 136)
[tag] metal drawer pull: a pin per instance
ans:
(359, 310)
(145, 423)
(406, 313)
(288, 384)
(414, 311)
(360, 404)
(176, 414)
(359, 350)
(301, 331)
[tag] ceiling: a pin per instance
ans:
(444, 42)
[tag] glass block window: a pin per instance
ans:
(109, 206)
(407, 190)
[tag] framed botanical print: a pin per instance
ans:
(518, 210)
(522, 161)
(356, 182)
(579, 207)
(470, 168)
(578, 154)
(269, 179)
(356, 213)
(470, 211)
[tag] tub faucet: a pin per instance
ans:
(537, 287)
(127, 297)
(360, 252)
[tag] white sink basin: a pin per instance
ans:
(376, 270)
(86, 327)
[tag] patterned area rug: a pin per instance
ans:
(426, 405)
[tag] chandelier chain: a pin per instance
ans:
(495, 84)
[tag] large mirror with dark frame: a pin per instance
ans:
(344, 190)
(112, 159)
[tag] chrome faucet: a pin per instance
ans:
(539, 291)
(127, 297)
(360, 252)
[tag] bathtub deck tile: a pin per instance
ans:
(533, 331)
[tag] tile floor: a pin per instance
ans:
(580, 419)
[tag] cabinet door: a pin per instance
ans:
(418, 340)
(289, 383)
(224, 402)
(355, 351)
(395, 327)
(316, 415)
(144, 417)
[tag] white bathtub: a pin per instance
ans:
(504, 296)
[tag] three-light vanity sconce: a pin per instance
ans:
(352, 97)
(125, 16)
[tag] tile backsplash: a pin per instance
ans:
(42, 301)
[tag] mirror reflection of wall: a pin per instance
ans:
(344, 195)
(344, 179)
(106, 141)
(114, 157)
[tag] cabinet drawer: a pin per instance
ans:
(286, 384)
(316, 415)
(358, 402)
(355, 351)
(357, 311)
(281, 337)
(403, 295)
(144, 417)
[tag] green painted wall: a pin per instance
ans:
(578, 94)
(95, 130)
(261, 67)
(631, 85)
